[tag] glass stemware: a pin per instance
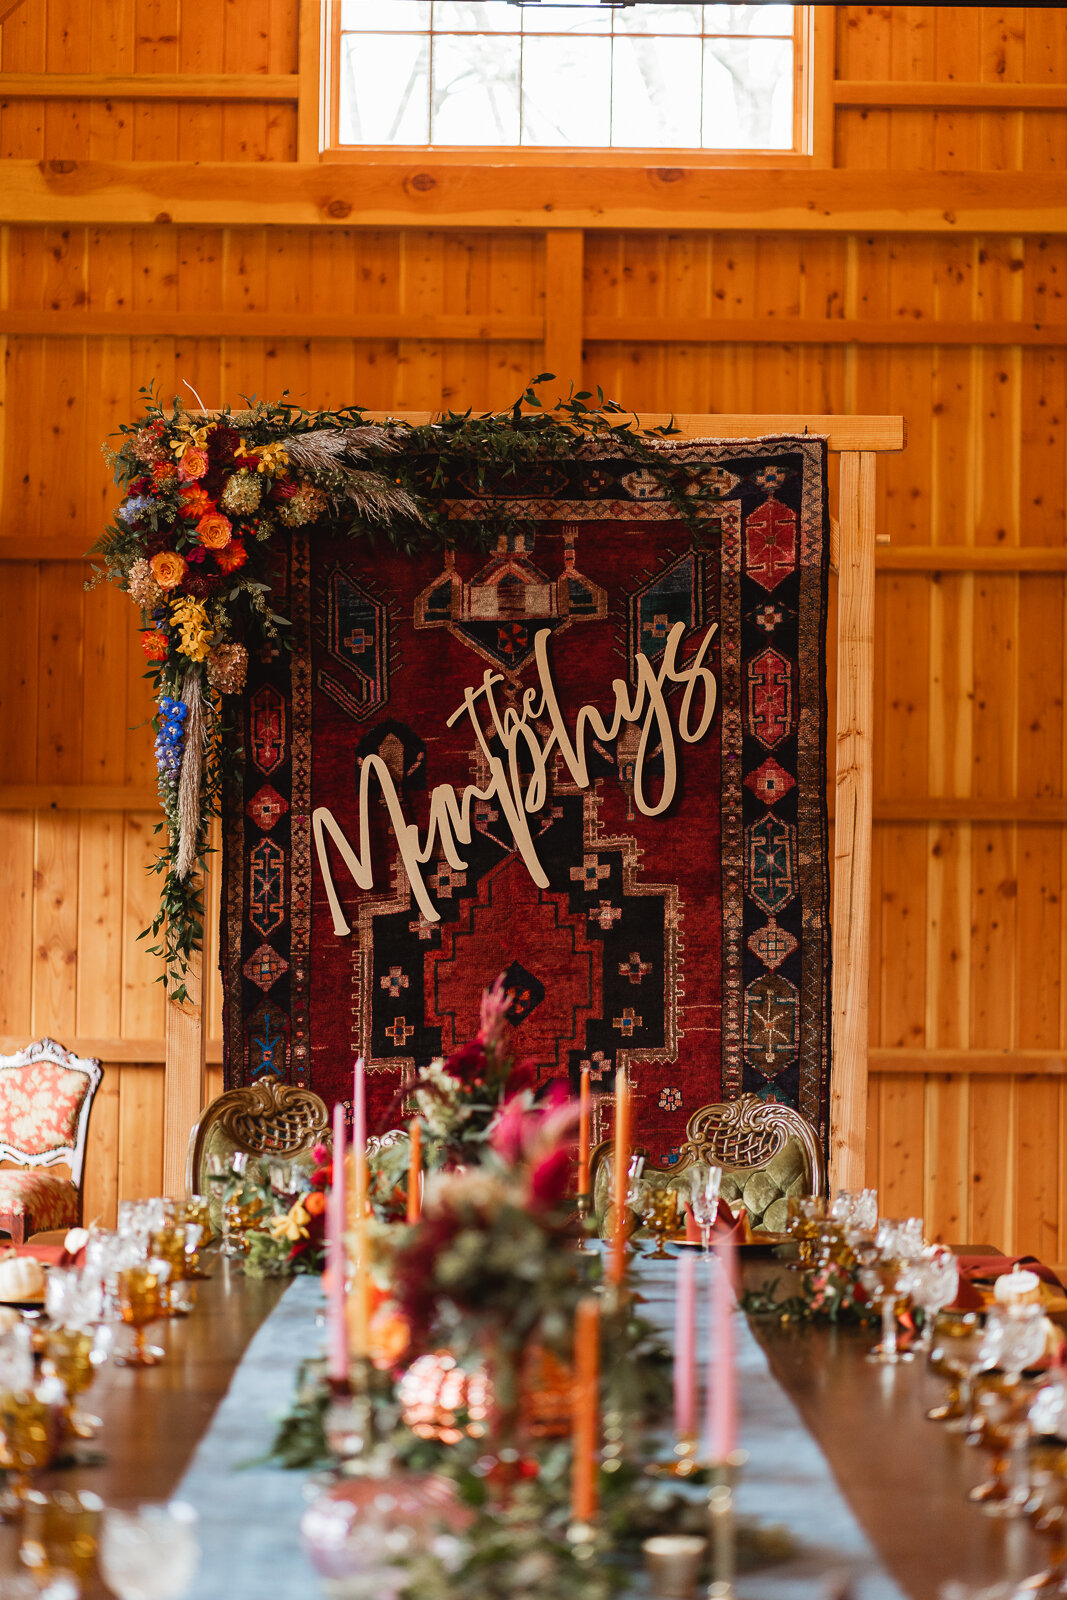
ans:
(27, 1437)
(704, 1202)
(884, 1273)
(70, 1353)
(959, 1354)
(1047, 1511)
(1013, 1341)
(805, 1214)
(139, 1305)
(150, 1553)
(660, 1212)
(933, 1283)
(59, 1532)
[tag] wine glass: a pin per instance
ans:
(1013, 1341)
(959, 1353)
(60, 1529)
(884, 1272)
(69, 1352)
(27, 1436)
(933, 1283)
(140, 1304)
(805, 1215)
(855, 1208)
(150, 1553)
(704, 1201)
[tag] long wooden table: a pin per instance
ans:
(905, 1478)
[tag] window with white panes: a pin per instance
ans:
(466, 73)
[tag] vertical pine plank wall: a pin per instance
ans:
(116, 270)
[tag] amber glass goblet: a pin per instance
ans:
(60, 1530)
(69, 1352)
(27, 1438)
(660, 1212)
(168, 1244)
(195, 1213)
(805, 1216)
(1047, 1510)
(956, 1356)
(139, 1305)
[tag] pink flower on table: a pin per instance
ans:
(494, 1009)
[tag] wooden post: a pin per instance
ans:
(184, 1080)
(564, 305)
(852, 828)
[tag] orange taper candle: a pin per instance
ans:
(622, 1176)
(583, 1135)
(586, 1410)
(415, 1171)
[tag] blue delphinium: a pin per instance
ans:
(170, 746)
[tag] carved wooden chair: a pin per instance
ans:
(768, 1151)
(268, 1120)
(46, 1094)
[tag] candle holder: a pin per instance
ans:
(722, 1520)
(685, 1463)
(582, 1206)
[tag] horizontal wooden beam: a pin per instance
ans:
(147, 86)
(391, 189)
(951, 96)
(923, 810)
(970, 558)
(966, 1063)
(434, 327)
(816, 330)
(112, 1052)
(85, 322)
(77, 797)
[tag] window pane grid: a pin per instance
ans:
(439, 83)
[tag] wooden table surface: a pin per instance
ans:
(904, 1478)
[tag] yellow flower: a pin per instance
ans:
(196, 636)
(293, 1225)
(272, 459)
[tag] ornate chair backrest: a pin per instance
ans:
(271, 1120)
(748, 1133)
(45, 1097)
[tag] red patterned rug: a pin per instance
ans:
(652, 880)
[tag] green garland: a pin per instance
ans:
(208, 498)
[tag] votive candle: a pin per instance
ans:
(685, 1348)
(586, 1411)
(337, 1346)
(622, 1176)
(415, 1170)
(722, 1371)
(583, 1135)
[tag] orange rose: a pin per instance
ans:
(196, 502)
(315, 1203)
(214, 530)
(194, 462)
(231, 556)
(154, 644)
(168, 568)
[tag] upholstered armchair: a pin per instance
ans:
(45, 1098)
(767, 1151)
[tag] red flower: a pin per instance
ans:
(139, 485)
(221, 446)
(154, 644)
(524, 1076)
(550, 1178)
(233, 556)
(165, 472)
(468, 1063)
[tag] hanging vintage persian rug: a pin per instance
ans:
(590, 757)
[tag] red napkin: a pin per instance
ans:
(988, 1267)
(51, 1255)
(723, 1227)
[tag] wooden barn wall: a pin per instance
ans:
(118, 268)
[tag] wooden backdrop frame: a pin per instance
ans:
(857, 441)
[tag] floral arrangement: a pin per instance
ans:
(207, 500)
(289, 1235)
(830, 1292)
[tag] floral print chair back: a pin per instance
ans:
(45, 1098)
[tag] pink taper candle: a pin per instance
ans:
(617, 1264)
(359, 1325)
(685, 1349)
(722, 1373)
(337, 1350)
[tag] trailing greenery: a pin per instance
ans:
(209, 499)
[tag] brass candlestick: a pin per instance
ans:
(722, 1520)
(583, 1217)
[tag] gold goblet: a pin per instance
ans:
(195, 1213)
(60, 1530)
(660, 1212)
(69, 1352)
(805, 1215)
(27, 1438)
(168, 1244)
(139, 1304)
